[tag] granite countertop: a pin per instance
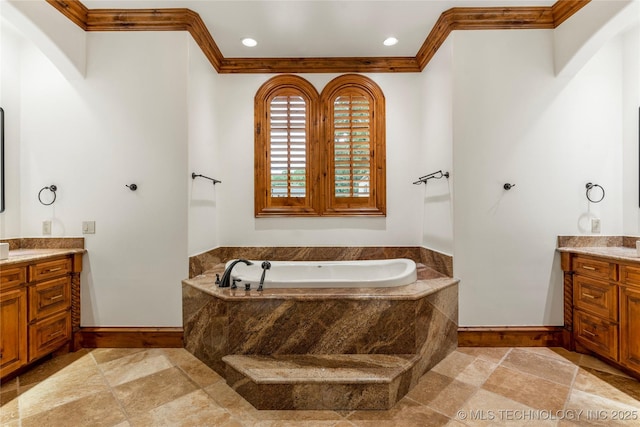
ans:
(617, 253)
(428, 282)
(18, 256)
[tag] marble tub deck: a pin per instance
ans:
(357, 348)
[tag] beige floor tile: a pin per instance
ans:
(58, 365)
(226, 397)
(477, 372)
(491, 354)
(453, 364)
(95, 410)
(200, 373)
(429, 386)
(587, 361)
(404, 413)
(600, 411)
(193, 409)
(555, 352)
(527, 389)
(65, 386)
(9, 406)
(487, 409)
(145, 393)
(134, 366)
(9, 385)
(541, 365)
(621, 389)
(442, 393)
(104, 355)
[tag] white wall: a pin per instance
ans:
(239, 227)
(125, 123)
(10, 46)
(204, 158)
(515, 122)
(436, 151)
(630, 117)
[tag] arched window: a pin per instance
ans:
(319, 155)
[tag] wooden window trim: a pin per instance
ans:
(375, 204)
(265, 205)
(320, 198)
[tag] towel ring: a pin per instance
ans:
(590, 187)
(51, 188)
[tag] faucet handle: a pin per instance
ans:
(234, 285)
(217, 279)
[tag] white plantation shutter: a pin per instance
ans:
(287, 146)
(352, 146)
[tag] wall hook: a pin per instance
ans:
(132, 187)
(508, 186)
(53, 188)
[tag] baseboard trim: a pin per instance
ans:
(129, 337)
(511, 336)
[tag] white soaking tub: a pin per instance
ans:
(382, 273)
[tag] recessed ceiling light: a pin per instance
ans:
(390, 41)
(249, 42)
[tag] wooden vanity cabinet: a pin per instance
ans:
(36, 309)
(13, 329)
(602, 308)
(630, 317)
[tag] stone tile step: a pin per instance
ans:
(321, 368)
(331, 381)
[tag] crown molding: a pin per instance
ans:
(457, 18)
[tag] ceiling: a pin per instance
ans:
(316, 28)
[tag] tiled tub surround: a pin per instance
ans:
(204, 262)
(321, 348)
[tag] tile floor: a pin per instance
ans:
(170, 387)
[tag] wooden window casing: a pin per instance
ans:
(354, 146)
(285, 133)
(320, 155)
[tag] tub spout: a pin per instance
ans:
(266, 265)
(225, 282)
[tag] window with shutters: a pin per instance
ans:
(319, 154)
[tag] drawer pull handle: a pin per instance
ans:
(55, 334)
(588, 332)
(588, 267)
(51, 270)
(56, 297)
(588, 296)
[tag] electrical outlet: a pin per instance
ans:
(595, 225)
(88, 227)
(46, 228)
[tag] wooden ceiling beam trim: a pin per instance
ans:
(321, 65)
(564, 9)
(72, 9)
(471, 18)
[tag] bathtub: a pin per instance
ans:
(329, 274)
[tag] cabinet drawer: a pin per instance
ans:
(596, 297)
(630, 275)
(595, 268)
(47, 335)
(49, 297)
(11, 277)
(49, 269)
(597, 334)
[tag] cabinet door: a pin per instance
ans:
(13, 330)
(630, 328)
